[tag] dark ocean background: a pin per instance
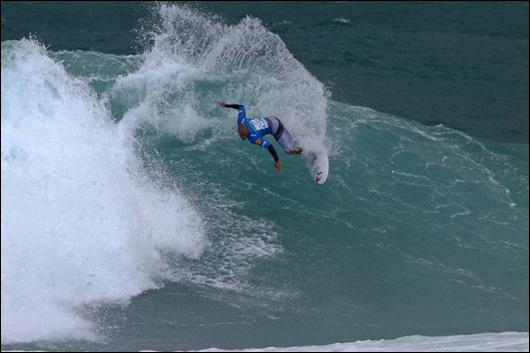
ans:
(133, 217)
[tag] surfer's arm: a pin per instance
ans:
(234, 106)
(277, 163)
(273, 153)
(266, 144)
(242, 114)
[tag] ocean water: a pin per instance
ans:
(134, 218)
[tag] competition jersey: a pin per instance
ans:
(257, 128)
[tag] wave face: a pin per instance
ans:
(133, 217)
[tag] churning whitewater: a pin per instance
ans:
(81, 223)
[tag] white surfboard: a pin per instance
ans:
(319, 166)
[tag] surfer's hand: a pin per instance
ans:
(278, 165)
(222, 104)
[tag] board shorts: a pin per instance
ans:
(280, 133)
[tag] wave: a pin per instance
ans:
(97, 216)
(120, 174)
(81, 223)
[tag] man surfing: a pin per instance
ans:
(255, 129)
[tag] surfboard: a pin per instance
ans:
(318, 165)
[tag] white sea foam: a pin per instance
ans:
(483, 342)
(81, 224)
(342, 20)
(255, 65)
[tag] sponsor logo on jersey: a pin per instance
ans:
(259, 124)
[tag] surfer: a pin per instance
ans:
(255, 129)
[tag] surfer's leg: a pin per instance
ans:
(296, 150)
(285, 140)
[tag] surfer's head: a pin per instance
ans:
(242, 130)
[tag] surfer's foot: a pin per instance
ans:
(296, 150)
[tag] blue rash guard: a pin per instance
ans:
(257, 128)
